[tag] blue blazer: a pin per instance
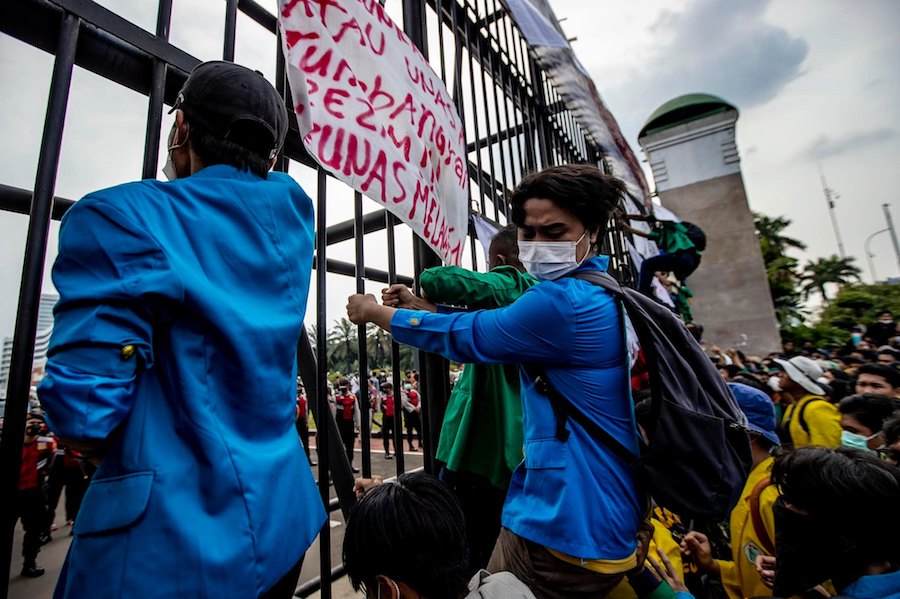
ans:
(181, 304)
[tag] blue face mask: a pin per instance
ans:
(856, 440)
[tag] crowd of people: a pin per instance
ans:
(172, 366)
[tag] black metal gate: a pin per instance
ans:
(516, 122)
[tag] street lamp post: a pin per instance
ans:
(870, 255)
(890, 226)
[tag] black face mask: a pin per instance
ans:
(808, 553)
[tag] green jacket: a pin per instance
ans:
(482, 430)
(672, 237)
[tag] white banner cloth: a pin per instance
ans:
(372, 112)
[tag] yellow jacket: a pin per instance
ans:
(739, 576)
(822, 419)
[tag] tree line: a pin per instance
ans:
(846, 300)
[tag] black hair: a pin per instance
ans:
(752, 381)
(581, 189)
(891, 429)
(505, 242)
(886, 372)
(850, 491)
(215, 150)
(869, 409)
(732, 369)
(412, 531)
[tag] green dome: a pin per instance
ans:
(682, 109)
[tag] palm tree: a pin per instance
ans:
(781, 269)
(822, 271)
(342, 339)
(772, 241)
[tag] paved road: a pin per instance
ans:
(53, 554)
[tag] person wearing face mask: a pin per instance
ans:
(573, 509)
(836, 520)
(173, 359)
(31, 504)
(863, 417)
(808, 419)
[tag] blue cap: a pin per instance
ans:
(758, 409)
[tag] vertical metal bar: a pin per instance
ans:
(480, 175)
(30, 290)
(395, 351)
(515, 144)
(439, 9)
(487, 113)
(496, 74)
(539, 107)
(230, 29)
(282, 162)
(324, 412)
(157, 90)
(365, 408)
(507, 121)
(433, 378)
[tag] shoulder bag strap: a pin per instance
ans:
(564, 409)
(756, 518)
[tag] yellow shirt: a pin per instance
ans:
(822, 419)
(739, 576)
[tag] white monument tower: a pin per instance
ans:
(689, 142)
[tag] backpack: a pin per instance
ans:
(698, 457)
(696, 235)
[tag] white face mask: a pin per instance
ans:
(169, 168)
(549, 260)
(775, 383)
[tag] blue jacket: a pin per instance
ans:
(181, 304)
(876, 586)
(574, 497)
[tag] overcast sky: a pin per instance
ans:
(816, 82)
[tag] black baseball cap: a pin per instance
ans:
(236, 104)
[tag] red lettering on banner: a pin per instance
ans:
(334, 161)
(377, 92)
(323, 7)
(292, 37)
(289, 7)
(417, 76)
(379, 172)
(405, 142)
(344, 66)
(363, 118)
(376, 51)
(407, 106)
(320, 65)
(347, 26)
(421, 195)
(399, 166)
(334, 99)
(351, 166)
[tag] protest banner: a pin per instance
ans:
(372, 111)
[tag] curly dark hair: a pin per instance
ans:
(581, 189)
